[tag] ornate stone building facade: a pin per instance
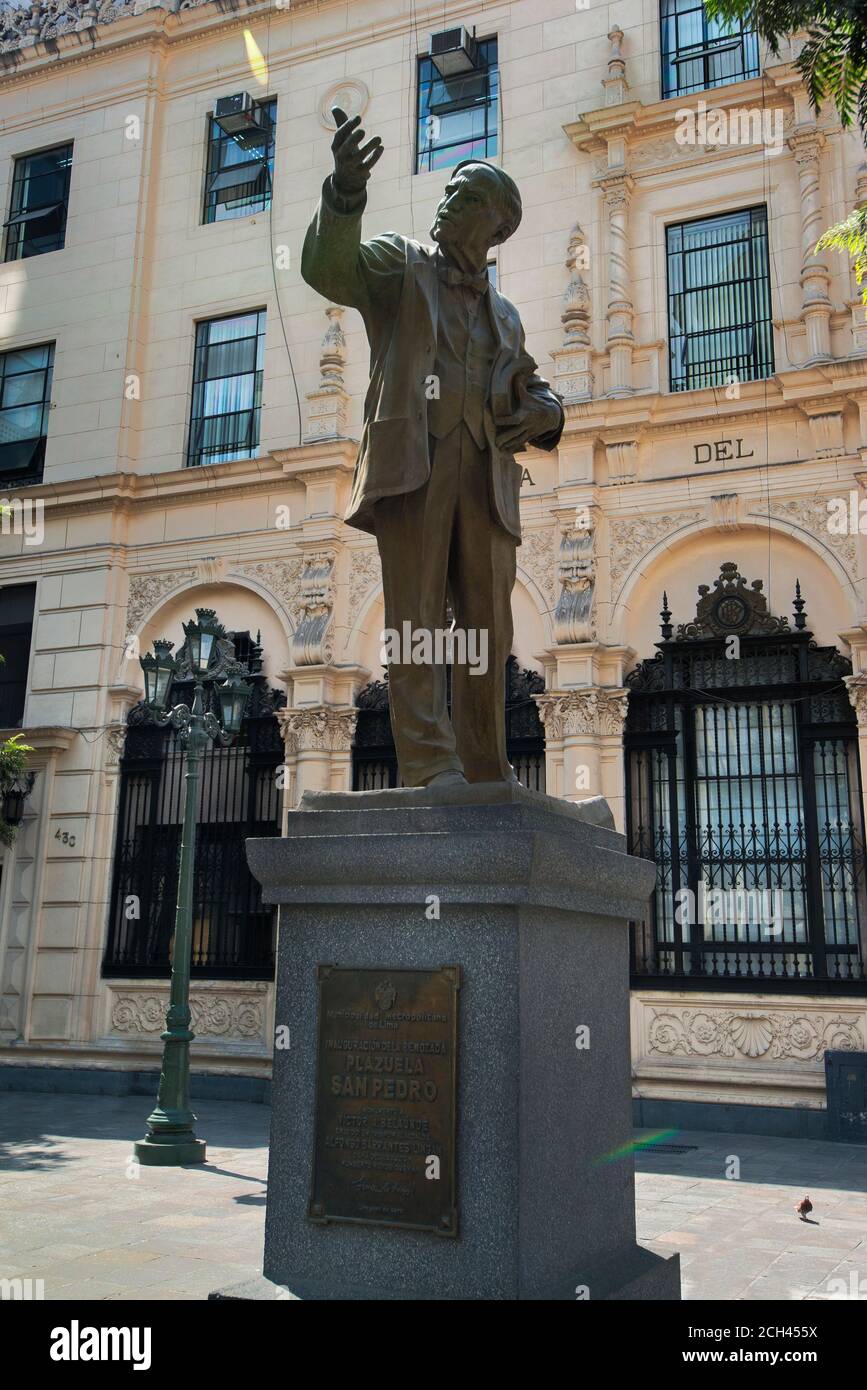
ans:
(669, 467)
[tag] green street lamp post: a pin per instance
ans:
(171, 1139)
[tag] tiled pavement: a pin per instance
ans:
(75, 1213)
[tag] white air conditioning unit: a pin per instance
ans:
(243, 118)
(453, 51)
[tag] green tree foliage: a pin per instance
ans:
(833, 63)
(833, 60)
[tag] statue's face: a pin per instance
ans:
(468, 215)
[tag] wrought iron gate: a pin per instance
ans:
(743, 785)
(233, 933)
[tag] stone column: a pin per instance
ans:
(318, 741)
(806, 147)
(616, 192)
(584, 744)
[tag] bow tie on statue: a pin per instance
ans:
(479, 284)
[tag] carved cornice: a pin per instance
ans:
(23, 26)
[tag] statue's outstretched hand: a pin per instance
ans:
(353, 161)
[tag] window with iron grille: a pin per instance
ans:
(238, 798)
(457, 116)
(25, 399)
(227, 389)
(698, 52)
(16, 632)
(743, 786)
(240, 169)
(719, 300)
(40, 199)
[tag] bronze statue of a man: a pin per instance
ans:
(453, 396)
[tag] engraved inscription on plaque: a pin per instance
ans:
(385, 1098)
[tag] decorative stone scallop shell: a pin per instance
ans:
(751, 1033)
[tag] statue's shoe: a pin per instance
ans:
(451, 777)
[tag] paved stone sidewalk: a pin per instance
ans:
(75, 1213)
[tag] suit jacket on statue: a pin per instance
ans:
(393, 283)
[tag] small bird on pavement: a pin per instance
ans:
(804, 1207)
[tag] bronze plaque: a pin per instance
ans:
(386, 1079)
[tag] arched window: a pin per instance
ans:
(743, 785)
(374, 761)
(233, 933)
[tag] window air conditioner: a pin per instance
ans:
(243, 118)
(453, 51)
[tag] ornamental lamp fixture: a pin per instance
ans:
(233, 696)
(14, 797)
(202, 640)
(159, 667)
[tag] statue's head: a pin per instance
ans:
(481, 208)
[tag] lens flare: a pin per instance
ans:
(661, 1136)
(255, 58)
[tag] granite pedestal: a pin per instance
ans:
(534, 899)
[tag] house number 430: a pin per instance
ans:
(65, 838)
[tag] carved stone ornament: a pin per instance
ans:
(633, 537)
(351, 95)
(311, 645)
(857, 689)
(221, 1013)
(321, 728)
(752, 1034)
(731, 607)
(574, 614)
(811, 515)
(591, 710)
(282, 578)
(365, 575)
(573, 375)
(146, 590)
(536, 557)
(326, 406)
(22, 25)
(725, 511)
(115, 741)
